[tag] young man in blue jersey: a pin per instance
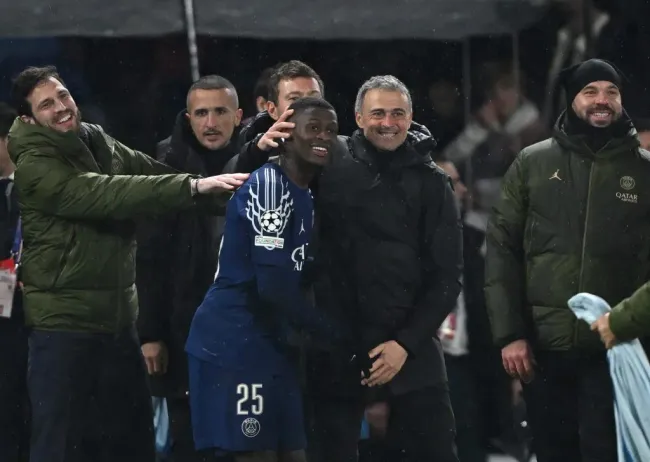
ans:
(244, 390)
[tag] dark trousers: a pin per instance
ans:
(183, 449)
(570, 407)
(90, 398)
(468, 409)
(14, 430)
(420, 427)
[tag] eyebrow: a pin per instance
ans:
(394, 109)
(216, 108)
(298, 93)
(46, 100)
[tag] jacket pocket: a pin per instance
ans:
(64, 258)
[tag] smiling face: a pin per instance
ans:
(52, 106)
(213, 116)
(385, 118)
(313, 136)
(599, 104)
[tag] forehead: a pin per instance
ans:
(387, 100)
(223, 97)
(307, 85)
(46, 89)
(601, 85)
(325, 116)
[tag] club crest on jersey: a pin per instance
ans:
(251, 427)
(269, 213)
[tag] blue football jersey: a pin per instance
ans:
(256, 295)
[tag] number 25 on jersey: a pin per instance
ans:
(250, 393)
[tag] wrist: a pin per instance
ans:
(404, 347)
(194, 187)
(260, 144)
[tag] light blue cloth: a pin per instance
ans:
(161, 425)
(630, 371)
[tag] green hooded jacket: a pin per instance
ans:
(630, 319)
(568, 221)
(78, 212)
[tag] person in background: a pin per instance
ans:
(14, 436)
(203, 140)
(571, 218)
(245, 390)
(80, 192)
(288, 82)
(457, 344)
(261, 93)
(447, 108)
(504, 123)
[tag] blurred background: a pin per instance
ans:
(129, 63)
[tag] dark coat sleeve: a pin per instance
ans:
(442, 261)
(153, 268)
(249, 159)
(153, 279)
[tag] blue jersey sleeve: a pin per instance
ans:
(266, 206)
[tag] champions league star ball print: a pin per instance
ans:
(271, 221)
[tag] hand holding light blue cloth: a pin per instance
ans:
(630, 372)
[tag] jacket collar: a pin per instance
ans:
(576, 143)
(416, 150)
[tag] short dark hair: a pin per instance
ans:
(291, 70)
(309, 102)
(26, 81)
(262, 83)
(213, 82)
(7, 117)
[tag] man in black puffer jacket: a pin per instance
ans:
(177, 256)
(390, 261)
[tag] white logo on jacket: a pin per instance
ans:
(627, 183)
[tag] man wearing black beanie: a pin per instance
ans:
(573, 216)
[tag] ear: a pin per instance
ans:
(238, 115)
(187, 115)
(260, 103)
(28, 120)
(272, 109)
(359, 120)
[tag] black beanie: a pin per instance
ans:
(576, 77)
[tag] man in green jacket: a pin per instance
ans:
(573, 216)
(79, 193)
(628, 320)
